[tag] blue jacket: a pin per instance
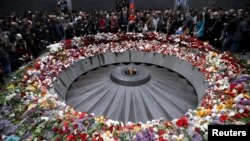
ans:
(199, 28)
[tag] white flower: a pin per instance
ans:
(241, 111)
(155, 130)
(205, 126)
(12, 115)
(55, 47)
(231, 114)
(9, 97)
(60, 113)
(208, 118)
(166, 136)
(213, 115)
(238, 97)
(218, 115)
(174, 137)
(45, 118)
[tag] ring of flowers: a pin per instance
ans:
(35, 111)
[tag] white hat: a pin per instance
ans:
(19, 36)
(215, 13)
(240, 10)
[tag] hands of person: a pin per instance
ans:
(221, 38)
(21, 59)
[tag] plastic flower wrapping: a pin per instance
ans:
(31, 110)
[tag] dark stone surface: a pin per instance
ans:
(122, 57)
(137, 57)
(108, 58)
(157, 59)
(185, 69)
(167, 95)
(173, 63)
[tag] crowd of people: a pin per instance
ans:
(23, 38)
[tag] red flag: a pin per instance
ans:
(132, 6)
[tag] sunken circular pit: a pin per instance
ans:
(132, 86)
(151, 93)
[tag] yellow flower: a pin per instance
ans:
(246, 95)
(30, 106)
(35, 84)
(108, 133)
(46, 103)
(203, 113)
(31, 88)
(137, 129)
(229, 103)
(100, 119)
(221, 107)
(11, 86)
(214, 54)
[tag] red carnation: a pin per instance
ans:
(237, 116)
(75, 126)
(198, 130)
(65, 123)
(100, 139)
(245, 114)
(232, 86)
(104, 128)
(59, 120)
(66, 130)
(70, 137)
(83, 136)
(223, 118)
(161, 132)
(54, 129)
(75, 113)
(151, 129)
(162, 139)
(60, 131)
(82, 115)
(68, 42)
(37, 66)
(182, 122)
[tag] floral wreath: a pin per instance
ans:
(31, 110)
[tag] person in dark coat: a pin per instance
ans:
(4, 58)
